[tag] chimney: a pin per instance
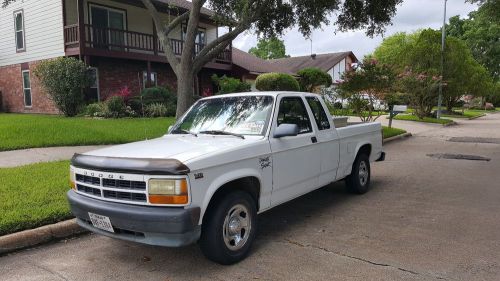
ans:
(313, 56)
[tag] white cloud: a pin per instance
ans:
(411, 15)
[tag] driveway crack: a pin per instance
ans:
(299, 244)
(47, 270)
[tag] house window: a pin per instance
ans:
(154, 79)
(92, 94)
(108, 25)
(200, 39)
(19, 29)
(27, 88)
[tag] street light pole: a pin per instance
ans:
(443, 36)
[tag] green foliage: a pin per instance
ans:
(98, 109)
(420, 53)
(154, 95)
(63, 79)
(33, 195)
(228, 85)
(422, 91)
(116, 106)
(156, 110)
(311, 77)
(51, 130)
(442, 121)
(372, 81)
(269, 48)
(276, 82)
(391, 132)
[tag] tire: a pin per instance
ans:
(229, 230)
(358, 181)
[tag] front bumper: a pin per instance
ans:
(162, 226)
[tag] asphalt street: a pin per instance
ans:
(425, 218)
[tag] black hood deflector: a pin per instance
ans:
(130, 165)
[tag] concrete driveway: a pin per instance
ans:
(424, 219)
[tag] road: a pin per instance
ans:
(424, 219)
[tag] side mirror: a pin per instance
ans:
(286, 130)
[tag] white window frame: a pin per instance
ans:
(25, 88)
(96, 83)
(23, 30)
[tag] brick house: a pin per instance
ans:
(116, 38)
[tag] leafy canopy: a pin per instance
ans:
(270, 48)
(276, 82)
(311, 77)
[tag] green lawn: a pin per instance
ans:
(33, 195)
(466, 114)
(425, 120)
(18, 131)
(391, 132)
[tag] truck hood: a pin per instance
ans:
(180, 147)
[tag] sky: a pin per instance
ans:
(411, 15)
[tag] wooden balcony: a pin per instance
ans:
(109, 42)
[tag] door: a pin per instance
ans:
(296, 159)
(328, 141)
(108, 28)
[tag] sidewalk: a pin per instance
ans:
(22, 157)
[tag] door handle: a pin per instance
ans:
(314, 139)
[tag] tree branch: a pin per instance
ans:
(178, 20)
(191, 31)
(169, 53)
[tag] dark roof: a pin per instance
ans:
(322, 61)
(254, 64)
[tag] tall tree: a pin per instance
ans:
(269, 48)
(266, 17)
(481, 33)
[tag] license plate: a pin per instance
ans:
(101, 222)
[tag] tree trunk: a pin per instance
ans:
(185, 87)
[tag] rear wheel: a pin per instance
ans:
(359, 180)
(229, 230)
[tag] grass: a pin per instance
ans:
(18, 131)
(33, 195)
(349, 112)
(466, 114)
(408, 117)
(391, 132)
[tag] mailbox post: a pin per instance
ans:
(395, 110)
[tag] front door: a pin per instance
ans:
(108, 28)
(296, 159)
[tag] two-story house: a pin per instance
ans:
(117, 38)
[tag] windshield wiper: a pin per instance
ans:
(184, 132)
(219, 132)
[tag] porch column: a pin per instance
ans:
(155, 40)
(81, 26)
(148, 70)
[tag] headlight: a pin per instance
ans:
(167, 191)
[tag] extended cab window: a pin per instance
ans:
(293, 111)
(319, 113)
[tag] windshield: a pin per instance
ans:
(244, 115)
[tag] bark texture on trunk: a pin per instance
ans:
(185, 86)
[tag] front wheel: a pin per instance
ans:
(229, 230)
(359, 180)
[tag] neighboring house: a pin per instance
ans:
(333, 63)
(247, 66)
(116, 38)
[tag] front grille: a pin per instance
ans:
(88, 190)
(124, 184)
(88, 179)
(127, 196)
(133, 191)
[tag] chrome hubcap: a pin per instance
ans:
(363, 173)
(237, 227)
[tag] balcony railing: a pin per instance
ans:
(118, 40)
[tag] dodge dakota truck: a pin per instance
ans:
(229, 158)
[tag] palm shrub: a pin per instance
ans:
(276, 82)
(116, 106)
(64, 79)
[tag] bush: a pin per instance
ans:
(154, 95)
(276, 82)
(312, 77)
(116, 106)
(96, 110)
(228, 85)
(156, 110)
(63, 79)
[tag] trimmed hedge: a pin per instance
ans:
(276, 82)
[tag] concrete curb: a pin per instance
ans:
(402, 136)
(453, 123)
(475, 117)
(44, 234)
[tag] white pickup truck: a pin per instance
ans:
(227, 159)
